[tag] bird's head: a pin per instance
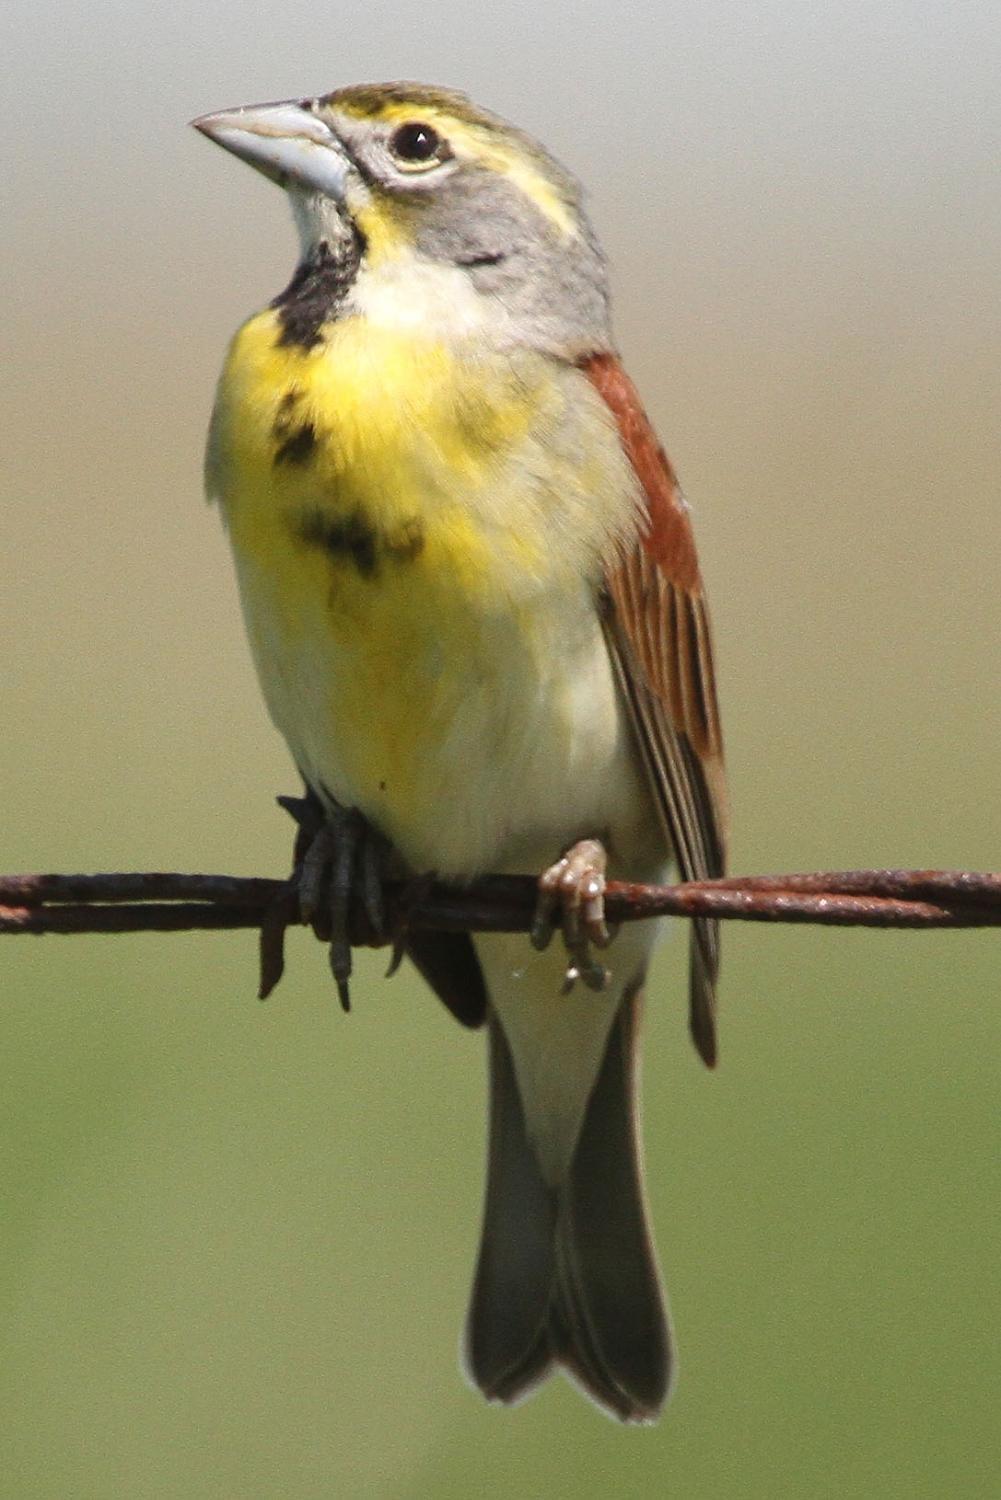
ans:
(451, 216)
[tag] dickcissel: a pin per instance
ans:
(471, 591)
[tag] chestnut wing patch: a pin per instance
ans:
(657, 627)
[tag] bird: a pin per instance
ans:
(471, 591)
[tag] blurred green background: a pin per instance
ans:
(237, 1239)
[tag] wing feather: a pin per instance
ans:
(659, 638)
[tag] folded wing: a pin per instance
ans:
(657, 626)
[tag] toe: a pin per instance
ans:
(572, 893)
(550, 897)
(593, 895)
(344, 861)
(313, 873)
(372, 899)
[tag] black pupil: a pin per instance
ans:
(416, 142)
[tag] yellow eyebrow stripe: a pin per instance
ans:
(524, 175)
(478, 142)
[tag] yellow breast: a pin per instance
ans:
(385, 433)
(404, 519)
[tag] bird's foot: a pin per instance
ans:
(339, 865)
(572, 896)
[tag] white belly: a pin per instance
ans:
(490, 747)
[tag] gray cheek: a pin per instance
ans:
(472, 221)
(553, 289)
(557, 303)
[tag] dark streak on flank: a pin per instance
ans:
(349, 537)
(317, 291)
(298, 447)
(286, 406)
(353, 538)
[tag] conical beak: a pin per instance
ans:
(285, 141)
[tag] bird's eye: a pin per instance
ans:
(417, 145)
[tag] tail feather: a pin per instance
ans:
(568, 1276)
(507, 1347)
(608, 1286)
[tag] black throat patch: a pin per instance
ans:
(317, 290)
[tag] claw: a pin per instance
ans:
(541, 931)
(572, 894)
(396, 957)
(585, 967)
(570, 978)
(341, 979)
(337, 856)
(344, 834)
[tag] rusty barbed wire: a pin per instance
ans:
(958, 894)
(171, 902)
